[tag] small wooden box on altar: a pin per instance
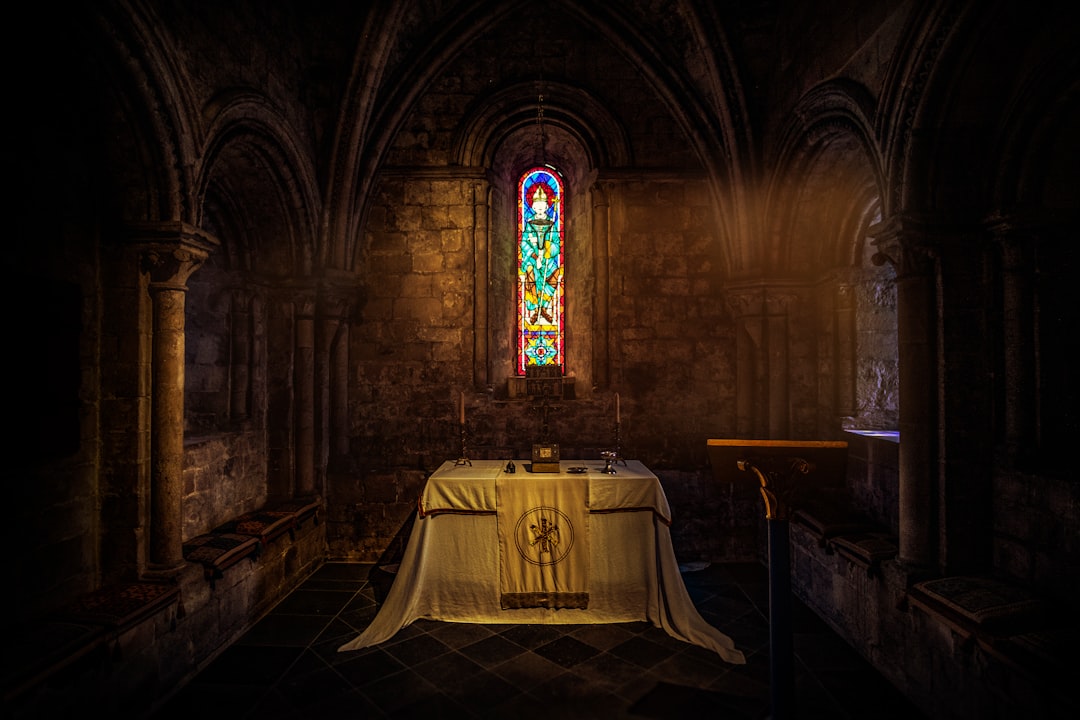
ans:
(545, 457)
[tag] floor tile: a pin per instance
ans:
(288, 664)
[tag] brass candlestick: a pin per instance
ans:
(614, 457)
(464, 459)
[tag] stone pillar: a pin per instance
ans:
(281, 412)
(601, 232)
(916, 299)
(776, 325)
(331, 382)
(1019, 344)
(304, 383)
(481, 215)
(748, 309)
(240, 361)
(169, 254)
(845, 349)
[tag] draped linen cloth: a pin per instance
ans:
(543, 526)
(450, 568)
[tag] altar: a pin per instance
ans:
(453, 570)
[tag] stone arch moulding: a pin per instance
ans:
(830, 128)
(496, 116)
(245, 127)
(159, 108)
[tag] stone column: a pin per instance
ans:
(1019, 344)
(481, 212)
(331, 382)
(304, 383)
(601, 232)
(777, 342)
(916, 298)
(845, 349)
(748, 309)
(240, 361)
(281, 410)
(169, 254)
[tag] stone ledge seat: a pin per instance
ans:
(302, 509)
(1006, 621)
(247, 536)
(217, 552)
(122, 605)
(83, 629)
(865, 549)
(828, 514)
(45, 648)
(264, 525)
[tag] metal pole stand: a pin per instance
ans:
(778, 484)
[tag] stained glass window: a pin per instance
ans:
(540, 269)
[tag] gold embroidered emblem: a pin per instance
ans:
(544, 536)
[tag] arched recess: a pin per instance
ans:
(967, 287)
(822, 206)
(254, 165)
(245, 305)
(502, 134)
(155, 96)
(1035, 204)
(135, 125)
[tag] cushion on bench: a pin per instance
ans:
(266, 525)
(972, 603)
(122, 605)
(218, 551)
(301, 509)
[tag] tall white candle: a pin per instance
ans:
(618, 417)
(463, 408)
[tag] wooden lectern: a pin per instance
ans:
(782, 470)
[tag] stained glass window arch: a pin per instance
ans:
(541, 336)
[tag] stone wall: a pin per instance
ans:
(147, 662)
(413, 352)
(224, 476)
(947, 673)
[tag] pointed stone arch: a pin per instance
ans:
(255, 171)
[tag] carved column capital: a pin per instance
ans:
(777, 302)
(905, 243)
(171, 252)
(746, 302)
(305, 305)
(600, 194)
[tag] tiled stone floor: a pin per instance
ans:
(287, 665)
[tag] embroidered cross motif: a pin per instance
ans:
(546, 535)
(543, 535)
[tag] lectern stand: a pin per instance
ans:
(781, 469)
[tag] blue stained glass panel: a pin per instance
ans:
(540, 269)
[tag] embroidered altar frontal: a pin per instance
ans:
(543, 542)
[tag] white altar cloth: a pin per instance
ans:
(450, 569)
